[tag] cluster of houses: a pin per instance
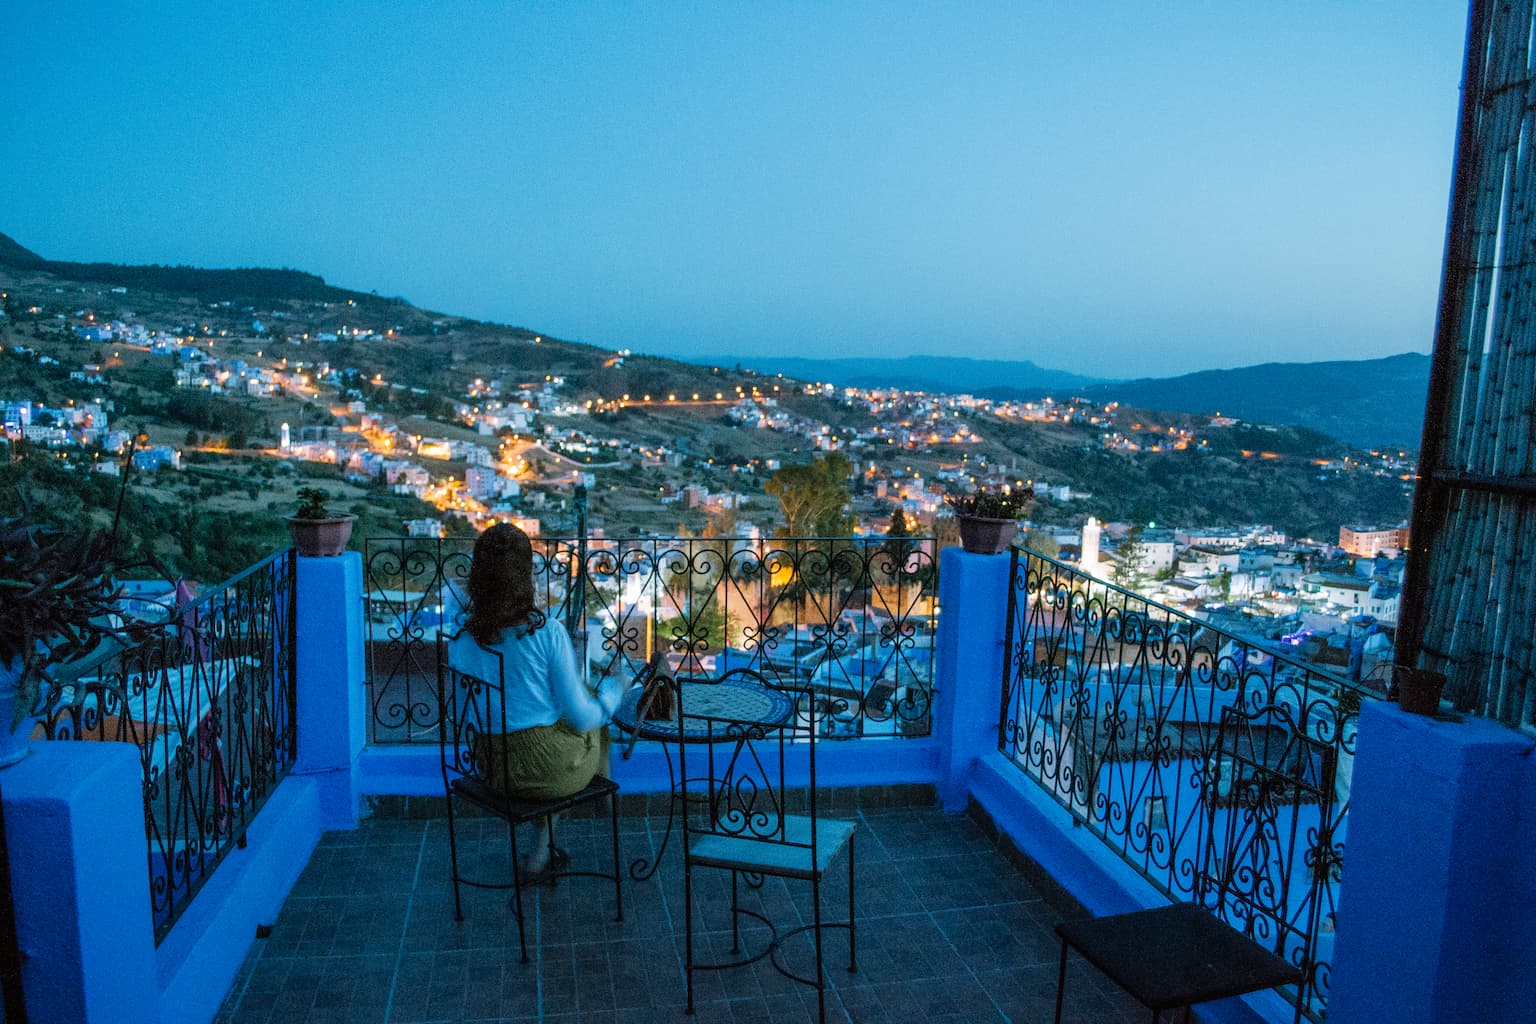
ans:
(1337, 604)
(83, 426)
(1254, 568)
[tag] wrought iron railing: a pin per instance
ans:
(208, 699)
(852, 617)
(1117, 707)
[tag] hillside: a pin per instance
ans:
(1367, 402)
(923, 373)
(645, 426)
(246, 284)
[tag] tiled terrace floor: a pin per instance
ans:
(950, 931)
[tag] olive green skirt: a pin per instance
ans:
(545, 762)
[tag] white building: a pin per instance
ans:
(430, 528)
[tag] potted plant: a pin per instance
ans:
(59, 616)
(988, 519)
(317, 531)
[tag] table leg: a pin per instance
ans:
(1061, 980)
(640, 869)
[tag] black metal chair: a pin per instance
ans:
(469, 709)
(736, 796)
(1173, 957)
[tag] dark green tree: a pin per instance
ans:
(896, 538)
(1130, 568)
(1042, 542)
(813, 497)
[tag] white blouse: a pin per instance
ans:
(542, 684)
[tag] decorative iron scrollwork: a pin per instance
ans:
(1114, 704)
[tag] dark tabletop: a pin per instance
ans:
(728, 699)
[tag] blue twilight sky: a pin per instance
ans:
(1116, 189)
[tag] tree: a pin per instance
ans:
(813, 497)
(1042, 542)
(1130, 569)
(896, 538)
(721, 522)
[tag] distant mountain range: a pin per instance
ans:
(1367, 402)
(923, 373)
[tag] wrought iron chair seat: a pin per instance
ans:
(1178, 955)
(520, 811)
(795, 857)
(467, 708)
(1175, 956)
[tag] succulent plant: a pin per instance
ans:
(312, 504)
(58, 602)
(988, 504)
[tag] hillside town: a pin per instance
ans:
(516, 444)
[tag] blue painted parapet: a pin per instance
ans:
(74, 821)
(329, 685)
(973, 598)
(1437, 918)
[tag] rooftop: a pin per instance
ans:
(951, 929)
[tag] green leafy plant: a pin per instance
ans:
(987, 504)
(312, 505)
(60, 608)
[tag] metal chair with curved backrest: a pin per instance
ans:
(1262, 774)
(737, 792)
(469, 710)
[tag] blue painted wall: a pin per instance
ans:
(1439, 894)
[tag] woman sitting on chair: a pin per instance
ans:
(557, 737)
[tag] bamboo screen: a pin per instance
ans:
(1469, 607)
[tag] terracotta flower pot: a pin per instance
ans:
(986, 536)
(1418, 690)
(321, 538)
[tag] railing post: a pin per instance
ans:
(973, 599)
(328, 685)
(74, 815)
(576, 604)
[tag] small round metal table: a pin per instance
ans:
(732, 698)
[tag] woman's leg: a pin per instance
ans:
(538, 852)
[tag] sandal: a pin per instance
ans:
(559, 860)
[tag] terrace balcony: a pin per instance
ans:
(236, 820)
(1023, 744)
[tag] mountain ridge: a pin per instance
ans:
(920, 372)
(244, 283)
(1366, 402)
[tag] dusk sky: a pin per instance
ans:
(1116, 189)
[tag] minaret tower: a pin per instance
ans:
(1088, 560)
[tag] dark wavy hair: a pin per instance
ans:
(501, 585)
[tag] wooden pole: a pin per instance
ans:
(1429, 498)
